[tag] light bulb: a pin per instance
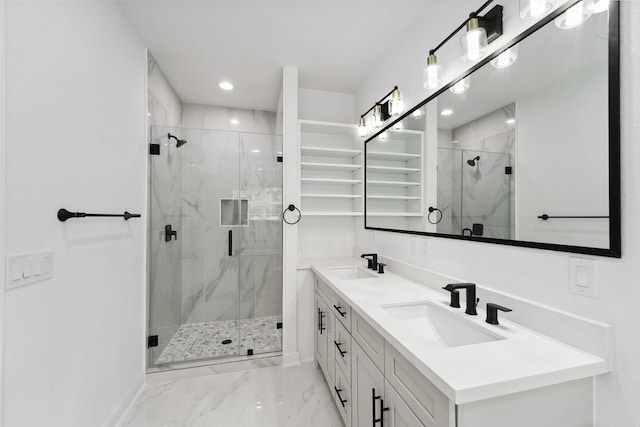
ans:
(531, 9)
(474, 42)
(377, 116)
(600, 6)
(417, 113)
(362, 128)
(506, 58)
(395, 105)
(461, 86)
(575, 15)
(431, 74)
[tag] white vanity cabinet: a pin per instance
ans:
(376, 381)
(354, 357)
(324, 338)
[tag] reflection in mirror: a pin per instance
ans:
(524, 135)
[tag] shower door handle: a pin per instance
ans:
(230, 242)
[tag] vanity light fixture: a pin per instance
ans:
(474, 43)
(506, 58)
(532, 9)
(225, 85)
(377, 116)
(390, 105)
(363, 129)
(575, 16)
(480, 31)
(395, 104)
(431, 73)
(461, 86)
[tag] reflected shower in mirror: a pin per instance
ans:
(522, 152)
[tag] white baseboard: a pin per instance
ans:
(119, 412)
(291, 359)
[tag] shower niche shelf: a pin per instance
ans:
(394, 168)
(331, 169)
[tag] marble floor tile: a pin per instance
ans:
(292, 396)
(196, 341)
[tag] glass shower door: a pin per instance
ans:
(485, 195)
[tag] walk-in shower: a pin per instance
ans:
(475, 195)
(215, 250)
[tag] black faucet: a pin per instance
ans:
(492, 312)
(471, 295)
(371, 262)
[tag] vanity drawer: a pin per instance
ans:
(432, 408)
(370, 340)
(342, 312)
(342, 349)
(342, 396)
(325, 292)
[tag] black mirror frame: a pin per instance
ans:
(615, 221)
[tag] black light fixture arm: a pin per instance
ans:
(381, 100)
(461, 26)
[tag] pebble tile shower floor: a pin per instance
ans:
(197, 341)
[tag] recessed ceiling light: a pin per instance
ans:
(234, 121)
(446, 112)
(255, 150)
(511, 121)
(225, 85)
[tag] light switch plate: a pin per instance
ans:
(28, 268)
(583, 277)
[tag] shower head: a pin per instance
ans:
(179, 142)
(472, 162)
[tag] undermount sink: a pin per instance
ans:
(449, 328)
(348, 273)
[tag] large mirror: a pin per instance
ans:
(526, 154)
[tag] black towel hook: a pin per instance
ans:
(291, 208)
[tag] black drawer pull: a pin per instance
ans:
(373, 409)
(321, 325)
(338, 344)
(339, 310)
(342, 401)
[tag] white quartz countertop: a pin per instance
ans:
(522, 360)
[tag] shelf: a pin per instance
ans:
(392, 169)
(395, 197)
(329, 128)
(329, 152)
(395, 183)
(381, 155)
(329, 166)
(333, 196)
(333, 213)
(394, 214)
(331, 181)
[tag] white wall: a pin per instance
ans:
(579, 161)
(75, 138)
(539, 275)
(326, 106)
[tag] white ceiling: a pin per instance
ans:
(334, 44)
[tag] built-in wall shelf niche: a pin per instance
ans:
(394, 167)
(331, 169)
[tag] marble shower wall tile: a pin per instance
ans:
(218, 118)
